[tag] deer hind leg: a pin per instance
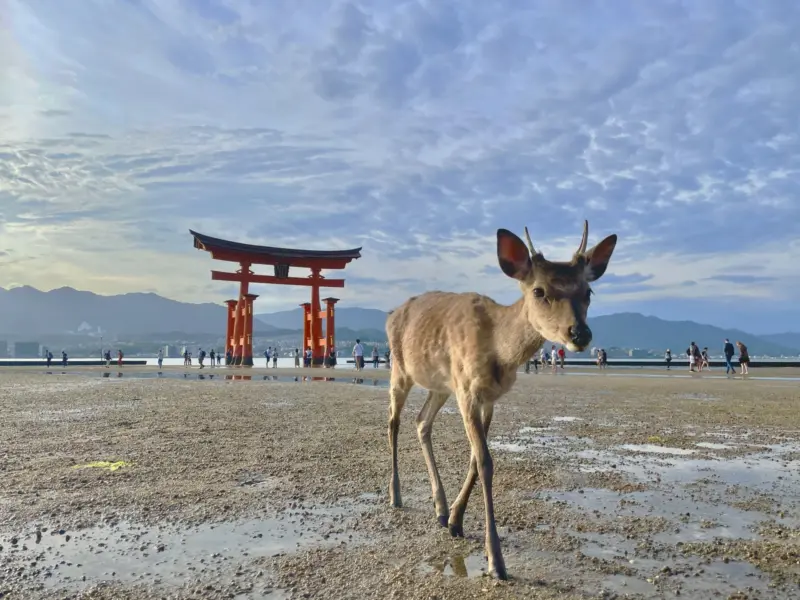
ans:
(459, 507)
(425, 419)
(473, 423)
(398, 392)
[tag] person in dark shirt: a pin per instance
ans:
(728, 350)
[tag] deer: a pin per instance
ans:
(468, 345)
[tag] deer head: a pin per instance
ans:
(556, 295)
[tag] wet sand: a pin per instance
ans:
(611, 487)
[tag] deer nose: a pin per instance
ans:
(580, 335)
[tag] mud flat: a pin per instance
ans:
(609, 487)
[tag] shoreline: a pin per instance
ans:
(383, 374)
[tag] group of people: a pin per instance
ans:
(556, 358)
(699, 358)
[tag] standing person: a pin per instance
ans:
(212, 355)
(603, 357)
(160, 358)
(64, 358)
(728, 350)
(49, 358)
(358, 355)
(690, 354)
(375, 356)
(275, 357)
(668, 357)
(107, 356)
(266, 356)
(297, 357)
(744, 357)
(309, 355)
(554, 358)
(562, 356)
(119, 357)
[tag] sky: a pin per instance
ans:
(414, 129)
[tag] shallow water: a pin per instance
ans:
(171, 554)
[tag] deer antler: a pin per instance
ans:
(584, 239)
(530, 243)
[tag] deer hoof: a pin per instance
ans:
(456, 530)
(498, 571)
(443, 520)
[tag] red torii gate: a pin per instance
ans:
(239, 337)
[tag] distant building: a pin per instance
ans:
(638, 353)
(3, 349)
(27, 350)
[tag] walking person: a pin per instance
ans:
(744, 357)
(296, 358)
(668, 357)
(562, 356)
(119, 357)
(49, 358)
(64, 358)
(213, 356)
(554, 358)
(690, 354)
(160, 358)
(704, 359)
(375, 356)
(107, 356)
(275, 358)
(728, 350)
(266, 356)
(358, 355)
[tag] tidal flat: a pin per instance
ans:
(605, 487)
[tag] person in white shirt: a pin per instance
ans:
(358, 355)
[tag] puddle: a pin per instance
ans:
(693, 520)
(536, 438)
(697, 397)
(655, 449)
(714, 446)
(456, 565)
(691, 578)
(173, 555)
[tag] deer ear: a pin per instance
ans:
(512, 254)
(598, 256)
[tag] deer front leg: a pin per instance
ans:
(397, 399)
(459, 507)
(471, 412)
(425, 419)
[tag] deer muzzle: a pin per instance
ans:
(580, 335)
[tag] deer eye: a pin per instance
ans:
(538, 293)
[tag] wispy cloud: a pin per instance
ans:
(415, 129)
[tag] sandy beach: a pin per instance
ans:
(626, 484)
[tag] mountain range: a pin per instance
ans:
(28, 312)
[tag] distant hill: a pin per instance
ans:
(623, 330)
(30, 312)
(634, 330)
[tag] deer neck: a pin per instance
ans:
(517, 340)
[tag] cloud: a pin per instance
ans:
(413, 129)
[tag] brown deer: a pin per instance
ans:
(471, 346)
